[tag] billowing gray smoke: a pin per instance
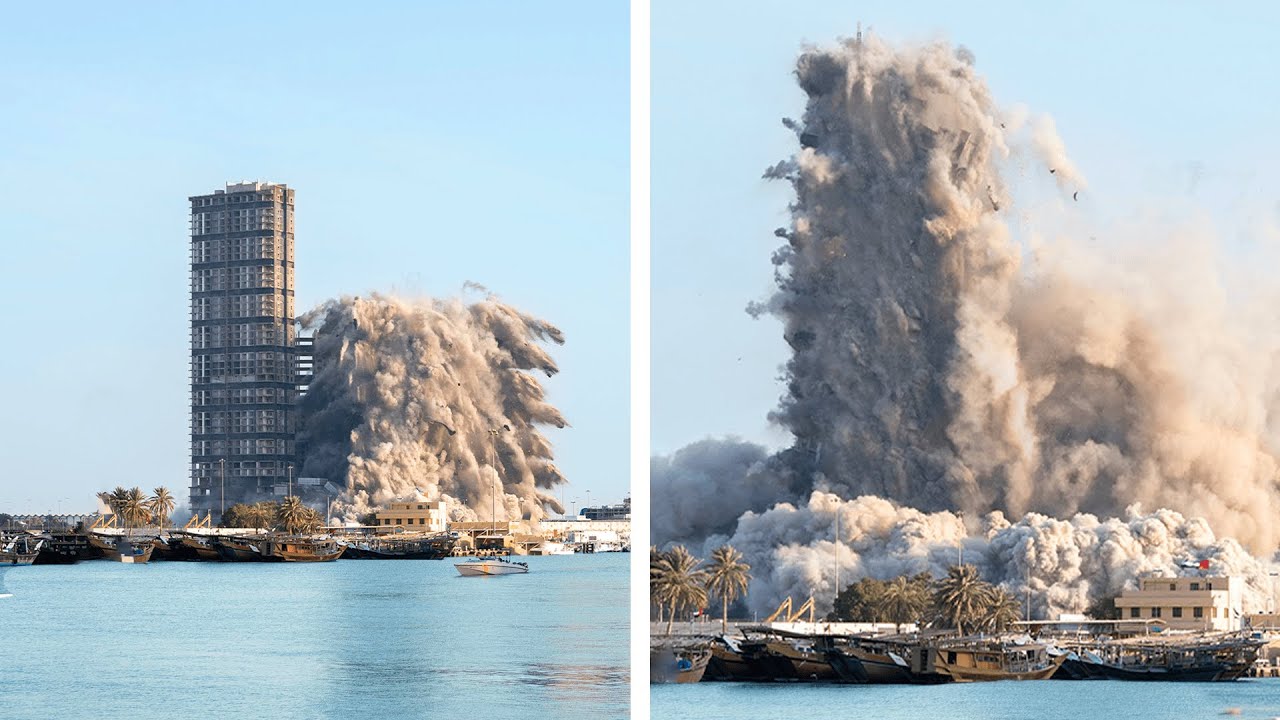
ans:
(1067, 564)
(407, 394)
(941, 364)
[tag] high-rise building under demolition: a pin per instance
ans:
(245, 367)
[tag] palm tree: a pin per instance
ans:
(1001, 610)
(115, 501)
(657, 564)
(960, 596)
(161, 505)
(903, 600)
(727, 578)
(134, 508)
(679, 583)
(292, 513)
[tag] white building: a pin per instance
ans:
(1186, 603)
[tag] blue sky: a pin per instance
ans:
(429, 145)
(1169, 109)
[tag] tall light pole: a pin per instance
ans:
(289, 470)
(493, 484)
(837, 553)
(960, 544)
(222, 484)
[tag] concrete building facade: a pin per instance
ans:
(245, 369)
(1186, 603)
(414, 516)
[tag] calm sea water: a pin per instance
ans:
(350, 639)
(1030, 700)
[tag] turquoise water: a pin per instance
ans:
(350, 639)
(1031, 700)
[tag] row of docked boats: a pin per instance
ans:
(764, 654)
(61, 548)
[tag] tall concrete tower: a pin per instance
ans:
(244, 359)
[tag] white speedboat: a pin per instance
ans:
(490, 566)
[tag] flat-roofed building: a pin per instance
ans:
(1186, 603)
(418, 516)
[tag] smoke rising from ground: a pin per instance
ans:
(406, 394)
(1070, 563)
(939, 363)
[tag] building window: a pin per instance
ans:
(1197, 612)
(1208, 586)
(1155, 612)
(1195, 586)
(1177, 612)
(1173, 586)
(1134, 612)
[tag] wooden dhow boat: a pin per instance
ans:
(985, 659)
(125, 548)
(680, 664)
(300, 548)
(1213, 658)
(436, 547)
(239, 549)
(21, 550)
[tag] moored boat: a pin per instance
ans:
(198, 544)
(727, 664)
(21, 550)
(239, 549)
(121, 547)
(966, 660)
(294, 548)
(682, 665)
(867, 660)
(426, 548)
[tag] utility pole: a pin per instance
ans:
(837, 552)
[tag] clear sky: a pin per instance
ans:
(1168, 109)
(429, 144)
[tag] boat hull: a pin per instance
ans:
(17, 558)
(490, 567)
(303, 550)
(677, 666)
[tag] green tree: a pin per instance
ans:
(657, 563)
(999, 611)
(904, 600)
(861, 601)
(134, 508)
(161, 505)
(679, 583)
(959, 597)
(726, 578)
(296, 517)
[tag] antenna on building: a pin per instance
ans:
(858, 40)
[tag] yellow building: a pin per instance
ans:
(427, 517)
(1186, 603)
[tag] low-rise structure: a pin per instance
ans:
(416, 516)
(1186, 603)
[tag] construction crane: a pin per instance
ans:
(784, 611)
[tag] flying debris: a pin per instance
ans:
(1075, 196)
(1053, 170)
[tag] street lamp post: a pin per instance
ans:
(222, 487)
